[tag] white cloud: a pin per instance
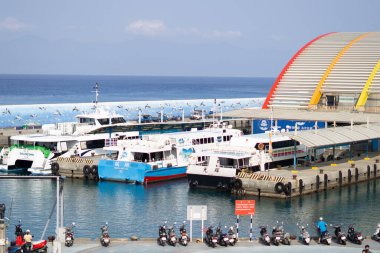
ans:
(147, 27)
(12, 24)
(226, 34)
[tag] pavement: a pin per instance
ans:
(150, 245)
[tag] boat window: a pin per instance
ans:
(117, 120)
(95, 144)
(201, 141)
(87, 121)
(104, 121)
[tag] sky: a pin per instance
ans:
(169, 37)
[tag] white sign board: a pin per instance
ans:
(196, 212)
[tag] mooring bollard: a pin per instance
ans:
(300, 186)
(374, 170)
(326, 181)
(368, 171)
(340, 178)
(317, 181)
(356, 174)
(349, 175)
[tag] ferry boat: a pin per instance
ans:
(217, 167)
(160, 157)
(37, 152)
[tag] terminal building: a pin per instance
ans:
(333, 80)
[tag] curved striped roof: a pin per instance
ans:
(344, 64)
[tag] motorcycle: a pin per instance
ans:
(265, 238)
(183, 239)
(340, 236)
(326, 238)
(105, 237)
(69, 235)
(20, 246)
(304, 235)
(162, 236)
(276, 236)
(376, 235)
(354, 236)
(285, 239)
(222, 237)
(172, 237)
(211, 239)
(232, 236)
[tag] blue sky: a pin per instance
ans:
(168, 37)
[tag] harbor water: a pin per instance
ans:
(138, 210)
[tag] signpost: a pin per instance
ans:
(244, 207)
(196, 213)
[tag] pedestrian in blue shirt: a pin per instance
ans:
(322, 228)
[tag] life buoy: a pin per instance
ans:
(261, 146)
(94, 170)
(288, 189)
(238, 184)
(86, 170)
(55, 168)
(279, 187)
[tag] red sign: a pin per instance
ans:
(244, 207)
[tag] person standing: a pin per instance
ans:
(28, 240)
(322, 228)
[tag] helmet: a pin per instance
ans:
(28, 231)
(302, 227)
(320, 218)
(73, 223)
(378, 225)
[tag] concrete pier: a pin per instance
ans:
(290, 182)
(78, 167)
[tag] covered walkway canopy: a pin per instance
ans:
(335, 136)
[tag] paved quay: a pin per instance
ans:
(87, 246)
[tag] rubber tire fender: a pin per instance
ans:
(55, 167)
(288, 189)
(94, 169)
(238, 184)
(86, 170)
(279, 187)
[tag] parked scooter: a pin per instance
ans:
(183, 237)
(285, 239)
(326, 238)
(304, 235)
(211, 239)
(222, 237)
(276, 235)
(69, 235)
(162, 236)
(354, 236)
(265, 238)
(232, 236)
(172, 237)
(341, 237)
(376, 235)
(105, 237)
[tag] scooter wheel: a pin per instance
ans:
(360, 242)
(343, 242)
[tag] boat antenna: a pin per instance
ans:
(96, 95)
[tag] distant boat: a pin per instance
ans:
(160, 157)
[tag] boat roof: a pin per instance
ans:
(233, 154)
(264, 137)
(43, 138)
(215, 131)
(99, 114)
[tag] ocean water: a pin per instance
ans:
(138, 210)
(39, 99)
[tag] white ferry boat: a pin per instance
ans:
(160, 157)
(37, 152)
(218, 167)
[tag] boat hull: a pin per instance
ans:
(210, 181)
(137, 172)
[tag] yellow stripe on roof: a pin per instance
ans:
(317, 92)
(364, 95)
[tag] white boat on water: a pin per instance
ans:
(218, 167)
(162, 156)
(36, 152)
